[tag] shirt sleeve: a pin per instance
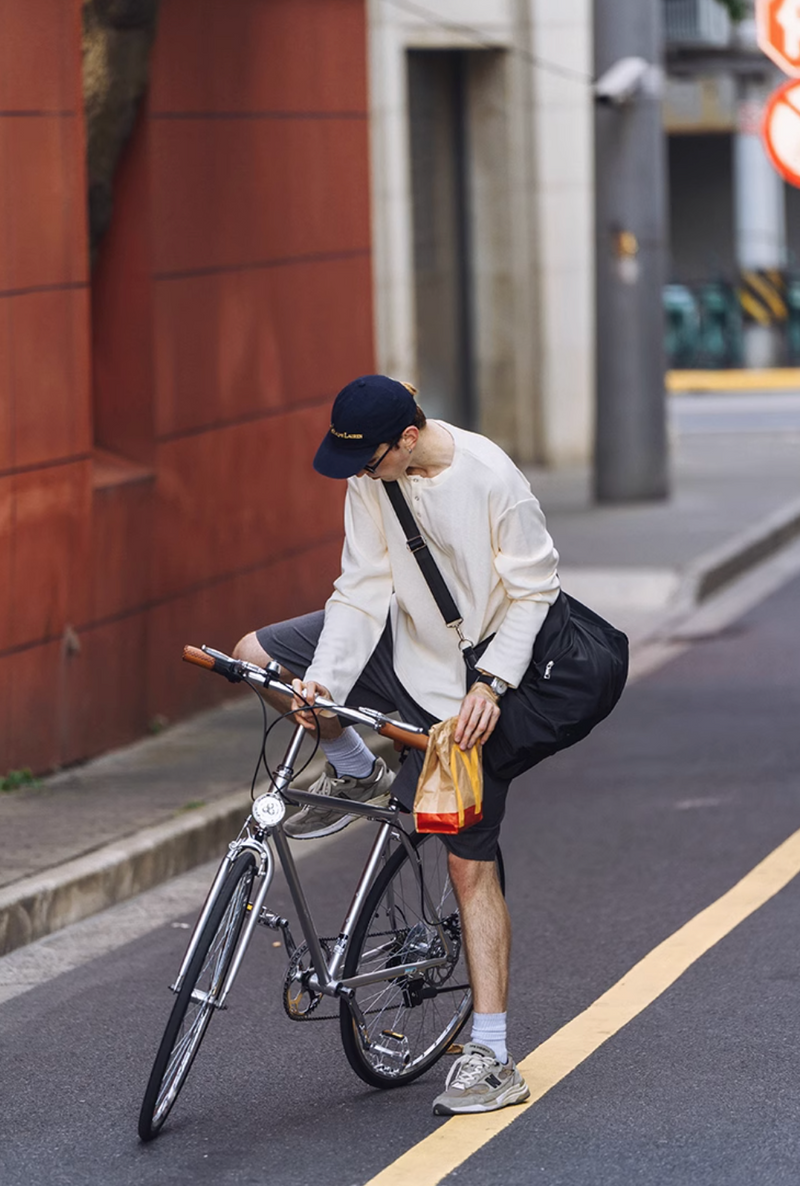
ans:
(356, 611)
(527, 564)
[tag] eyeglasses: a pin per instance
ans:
(373, 465)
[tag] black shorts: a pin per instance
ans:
(293, 644)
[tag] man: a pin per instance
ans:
(382, 642)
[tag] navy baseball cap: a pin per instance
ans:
(368, 412)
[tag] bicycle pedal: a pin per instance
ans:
(454, 1048)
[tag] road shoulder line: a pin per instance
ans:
(449, 1146)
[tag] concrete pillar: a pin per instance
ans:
(759, 213)
(631, 438)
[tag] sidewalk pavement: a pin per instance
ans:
(94, 835)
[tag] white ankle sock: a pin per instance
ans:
(349, 755)
(490, 1030)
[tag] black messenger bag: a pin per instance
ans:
(576, 675)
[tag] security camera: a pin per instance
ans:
(624, 80)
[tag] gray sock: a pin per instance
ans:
(349, 755)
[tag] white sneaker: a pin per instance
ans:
(312, 822)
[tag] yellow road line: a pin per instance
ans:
(774, 379)
(427, 1163)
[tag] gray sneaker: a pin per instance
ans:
(479, 1083)
(313, 822)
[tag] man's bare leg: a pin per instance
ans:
(485, 1077)
(250, 650)
(486, 927)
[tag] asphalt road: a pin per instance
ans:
(609, 849)
(742, 412)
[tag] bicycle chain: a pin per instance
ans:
(290, 979)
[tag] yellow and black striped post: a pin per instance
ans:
(762, 296)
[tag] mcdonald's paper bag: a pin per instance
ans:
(449, 794)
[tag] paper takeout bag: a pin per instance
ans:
(449, 794)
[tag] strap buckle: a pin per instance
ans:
(415, 543)
(464, 643)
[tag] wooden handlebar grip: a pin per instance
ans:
(195, 655)
(415, 740)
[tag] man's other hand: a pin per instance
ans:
(479, 714)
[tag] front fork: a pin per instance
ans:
(264, 874)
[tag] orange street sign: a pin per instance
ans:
(778, 32)
(781, 130)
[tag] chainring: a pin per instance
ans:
(299, 1000)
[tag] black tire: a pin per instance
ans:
(189, 1018)
(412, 1019)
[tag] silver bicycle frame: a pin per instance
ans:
(325, 978)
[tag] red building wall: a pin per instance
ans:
(158, 418)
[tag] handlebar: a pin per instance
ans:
(236, 670)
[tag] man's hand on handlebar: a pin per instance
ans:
(304, 696)
(306, 693)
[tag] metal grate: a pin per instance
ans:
(696, 22)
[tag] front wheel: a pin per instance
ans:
(410, 914)
(196, 1001)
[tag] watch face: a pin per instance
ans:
(499, 685)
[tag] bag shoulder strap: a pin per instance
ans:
(421, 552)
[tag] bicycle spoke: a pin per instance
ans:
(412, 918)
(195, 1003)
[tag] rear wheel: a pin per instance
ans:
(196, 1001)
(411, 1019)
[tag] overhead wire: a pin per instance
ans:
(480, 40)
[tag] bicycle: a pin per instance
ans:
(396, 969)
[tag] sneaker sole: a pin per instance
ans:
(337, 825)
(515, 1095)
(328, 830)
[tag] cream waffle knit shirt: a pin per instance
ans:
(486, 532)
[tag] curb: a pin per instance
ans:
(37, 906)
(46, 902)
(706, 576)
(773, 379)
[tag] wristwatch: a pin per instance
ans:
(496, 685)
